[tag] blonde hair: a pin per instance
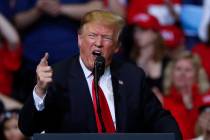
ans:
(105, 17)
(201, 75)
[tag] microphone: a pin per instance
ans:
(99, 67)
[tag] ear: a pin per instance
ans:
(116, 50)
(79, 40)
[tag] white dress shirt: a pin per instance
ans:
(105, 83)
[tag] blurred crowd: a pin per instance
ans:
(168, 39)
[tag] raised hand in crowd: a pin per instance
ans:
(50, 7)
(9, 33)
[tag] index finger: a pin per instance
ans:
(44, 60)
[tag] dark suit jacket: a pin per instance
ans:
(69, 108)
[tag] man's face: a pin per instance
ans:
(97, 39)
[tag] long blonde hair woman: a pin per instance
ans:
(185, 81)
(200, 74)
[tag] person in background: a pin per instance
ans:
(184, 82)
(166, 11)
(47, 26)
(147, 48)
(116, 6)
(173, 40)
(9, 102)
(10, 53)
(203, 50)
(9, 126)
(203, 123)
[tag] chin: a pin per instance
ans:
(90, 66)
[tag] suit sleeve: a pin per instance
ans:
(157, 119)
(30, 120)
(49, 119)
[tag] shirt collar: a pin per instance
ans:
(86, 71)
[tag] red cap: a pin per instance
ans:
(145, 21)
(172, 36)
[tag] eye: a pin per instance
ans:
(92, 35)
(107, 38)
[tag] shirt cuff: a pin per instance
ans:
(39, 102)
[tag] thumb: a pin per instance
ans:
(44, 60)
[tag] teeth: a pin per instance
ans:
(98, 53)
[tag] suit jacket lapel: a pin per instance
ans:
(80, 95)
(119, 98)
(81, 98)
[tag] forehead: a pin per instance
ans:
(99, 28)
(184, 62)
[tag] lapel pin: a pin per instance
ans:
(121, 82)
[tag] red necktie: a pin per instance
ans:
(105, 112)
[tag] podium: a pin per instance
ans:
(102, 136)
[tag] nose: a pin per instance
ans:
(98, 42)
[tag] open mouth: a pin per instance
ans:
(96, 53)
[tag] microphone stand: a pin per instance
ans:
(97, 74)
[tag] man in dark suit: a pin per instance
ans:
(63, 99)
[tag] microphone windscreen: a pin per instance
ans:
(100, 65)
